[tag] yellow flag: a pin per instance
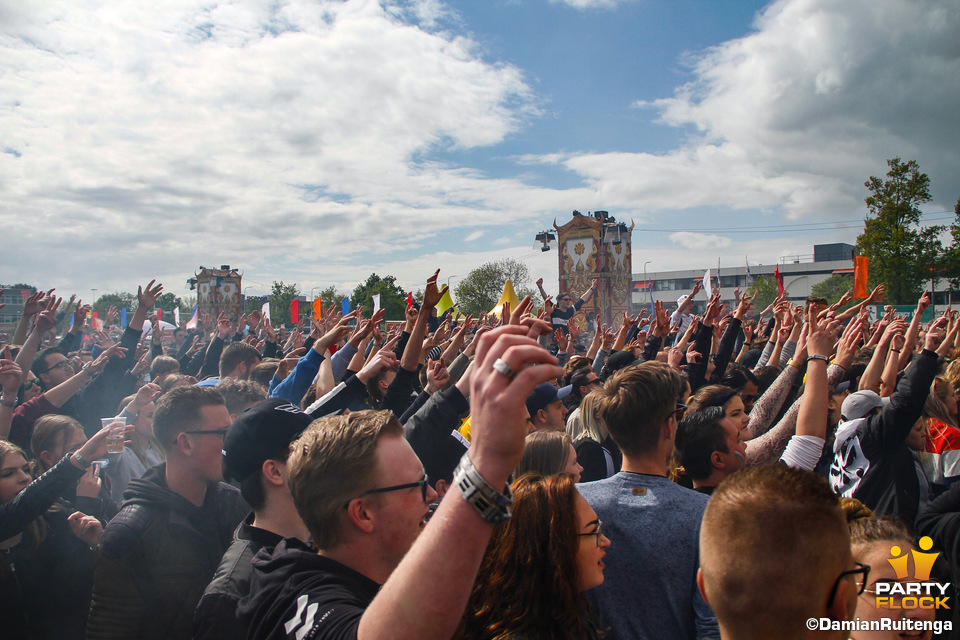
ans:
(508, 295)
(445, 303)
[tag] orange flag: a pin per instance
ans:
(318, 308)
(860, 276)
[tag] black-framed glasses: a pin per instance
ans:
(60, 365)
(861, 572)
(594, 533)
(423, 484)
(212, 432)
(680, 411)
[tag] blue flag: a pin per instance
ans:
(345, 305)
(123, 317)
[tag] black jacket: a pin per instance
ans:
(873, 463)
(297, 594)
(157, 556)
(45, 587)
(216, 615)
(432, 432)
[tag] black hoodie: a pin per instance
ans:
(157, 556)
(294, 588)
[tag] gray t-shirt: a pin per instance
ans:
(650, 580)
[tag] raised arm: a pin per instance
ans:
(450, 549)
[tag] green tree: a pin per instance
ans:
(481, 289)
(392, 297)
(281, 295)
(766, 289)
(168, 302)
(331, 297)
(118, 299)
(902, 253)
(950, 264)
(833, 287)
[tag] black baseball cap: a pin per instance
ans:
(261, 432)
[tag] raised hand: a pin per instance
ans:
(148, 297)
(432, 294)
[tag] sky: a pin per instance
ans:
(318, 141)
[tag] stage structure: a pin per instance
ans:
(596, 246)
(218, 290)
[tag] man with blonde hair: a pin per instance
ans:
(363, 494)
(775, 557)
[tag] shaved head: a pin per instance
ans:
(773, 542)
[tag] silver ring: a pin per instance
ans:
(503, 368)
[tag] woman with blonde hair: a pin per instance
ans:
(548, 453)
(597, 453)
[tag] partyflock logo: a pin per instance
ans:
(920, 592)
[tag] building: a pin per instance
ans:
(13, 297)
(596, 246)
(799, 274)
(218, 290)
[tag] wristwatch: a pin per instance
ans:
(493, 506)
(80, 460)
(8, 403)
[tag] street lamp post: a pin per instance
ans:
(646, 283)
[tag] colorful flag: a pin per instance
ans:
(294, 310)
(776, 274)
(445, 302)
(860, 272)
(318, 308)
(192, 322)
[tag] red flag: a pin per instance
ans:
(860, 276)
(294, 310)
(776, 274)
(95, 321)
(159, 314)
(409, 300)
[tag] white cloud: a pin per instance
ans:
(798, 114)
(474, 236)
(157, 134)
(701, 241)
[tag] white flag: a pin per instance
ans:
(376, 303)
(265, 309)
(176, 316)
(708, 284)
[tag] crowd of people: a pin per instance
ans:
(785, 472)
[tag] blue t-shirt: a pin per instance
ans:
(650, 580)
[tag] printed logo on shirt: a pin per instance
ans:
(302, 620)
(849, 467)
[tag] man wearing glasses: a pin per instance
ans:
(160, 552)
(649, 591)
(566, 308)
(379, 569)
(775, 556)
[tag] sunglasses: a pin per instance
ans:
(30, 383)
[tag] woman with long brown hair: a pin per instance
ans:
(538, 566)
